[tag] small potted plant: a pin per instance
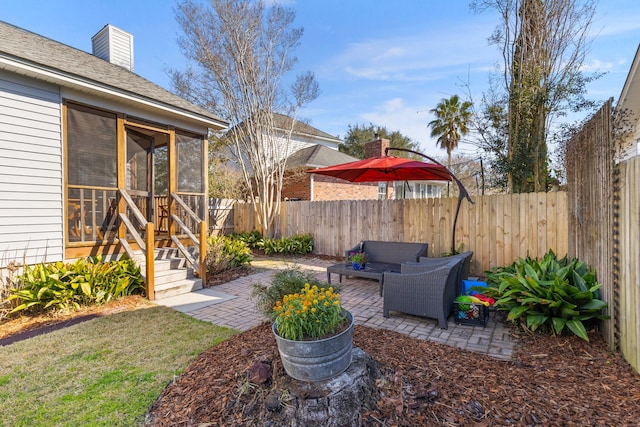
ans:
(314, 334)
(359, 260)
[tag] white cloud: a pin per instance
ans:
(596, 65)
(613, 25)
(412, 58)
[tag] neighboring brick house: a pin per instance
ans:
(301, 185)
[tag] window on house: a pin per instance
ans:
(382, 190)
(91, 172)
(190, 185)
(433, 191)
(190, 163)
(91, 147)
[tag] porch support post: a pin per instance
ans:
(204, 224)
(149, 258)
(122, 173)
(173, 175)
(203, 252)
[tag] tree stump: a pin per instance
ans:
(339, 401)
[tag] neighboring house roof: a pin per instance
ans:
(30, 54)
(284, 123)
(317, 156)
(301, 130)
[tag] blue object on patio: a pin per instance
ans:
(468, 284)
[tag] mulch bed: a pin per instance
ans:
(562, 381)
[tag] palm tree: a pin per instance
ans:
(450, 124)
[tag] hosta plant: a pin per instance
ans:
(299, 244)
(64, 286)
(550, 295)
(252, 239)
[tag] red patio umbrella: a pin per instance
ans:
(386, 168)
(390, 168)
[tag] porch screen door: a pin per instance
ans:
(139, 173)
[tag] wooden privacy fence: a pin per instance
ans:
(498, 228)
(221, 215)
(590, 166)
(629, 258)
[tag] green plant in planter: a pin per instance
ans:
(359, 258)
(288, 281)
(312, 313)
(551, 295)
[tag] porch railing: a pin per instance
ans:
(146, 245)
(201, 242)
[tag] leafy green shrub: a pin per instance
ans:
(291, 280)
(548, 295)
(225, 253)
(65, 286)
(252, 239)
(294, 245)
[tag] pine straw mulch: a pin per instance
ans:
(562, 381)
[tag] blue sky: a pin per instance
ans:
(377, 61)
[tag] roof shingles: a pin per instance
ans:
(24, 46)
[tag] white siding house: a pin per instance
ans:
(31, 214)
(627, 114)
(74, 127)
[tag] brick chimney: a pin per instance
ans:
(376, 147)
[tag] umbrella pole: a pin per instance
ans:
(462, 192)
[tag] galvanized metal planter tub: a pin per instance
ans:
(316, 360)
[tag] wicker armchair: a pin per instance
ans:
(463, 273)
(428, 293)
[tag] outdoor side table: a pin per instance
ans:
(371, 271)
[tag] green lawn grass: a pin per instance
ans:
(102, 372)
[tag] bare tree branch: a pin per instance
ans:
(241, 52)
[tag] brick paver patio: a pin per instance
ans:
(359, 296)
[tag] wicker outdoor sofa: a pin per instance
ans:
(382, 256)
(426, 288)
